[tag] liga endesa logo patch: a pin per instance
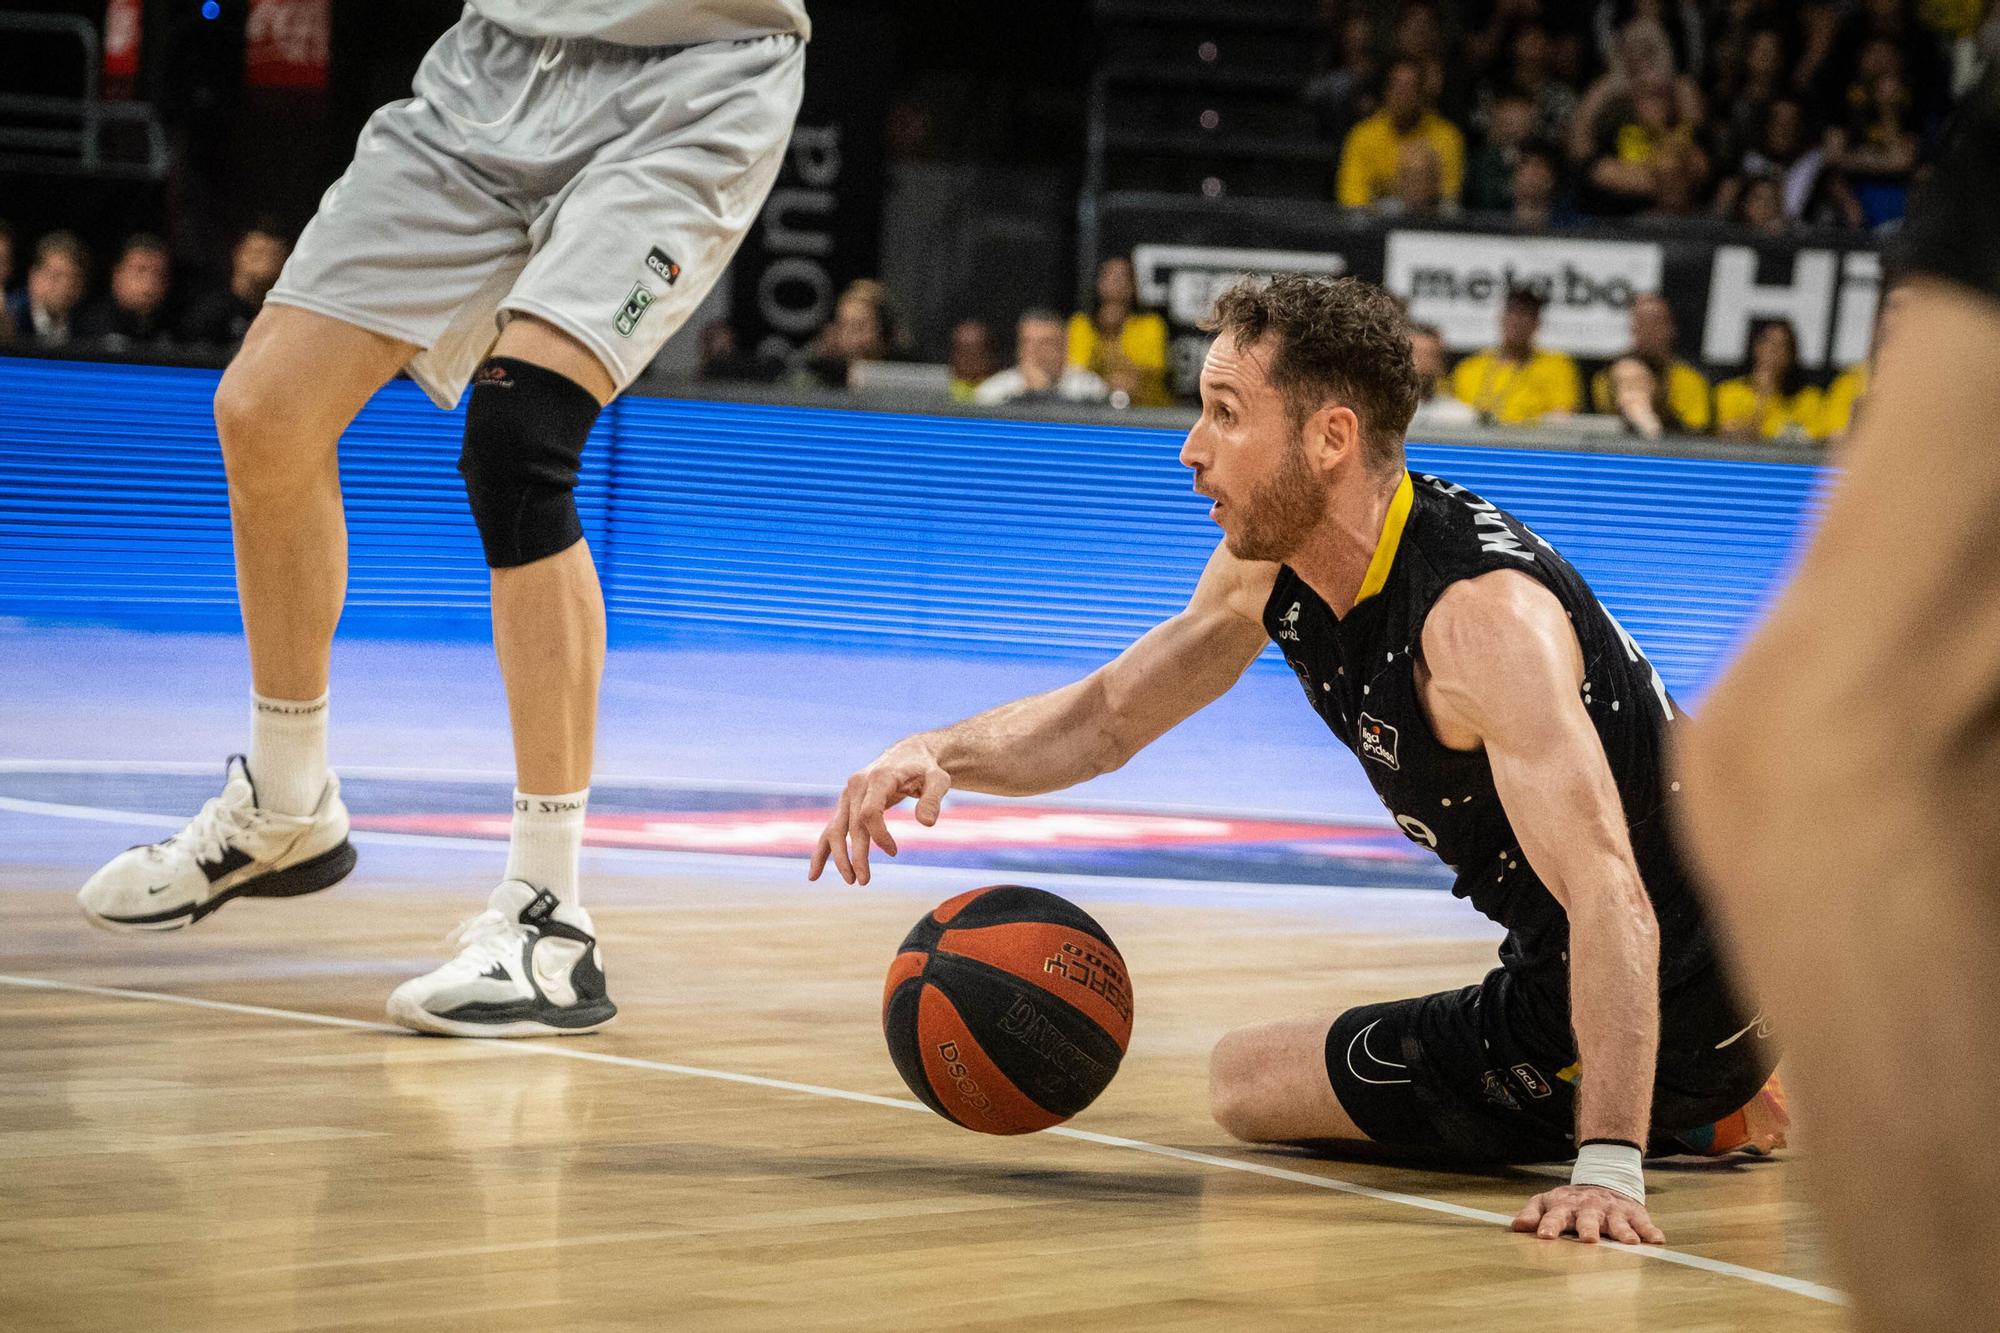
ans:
(635, 306)
(1378, 741)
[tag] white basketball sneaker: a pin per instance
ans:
(527, 967)
(233, 849)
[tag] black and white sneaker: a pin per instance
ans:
(527, 967)
(233, 849)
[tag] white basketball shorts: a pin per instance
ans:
(602, 188)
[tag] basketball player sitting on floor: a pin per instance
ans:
(1502, 715)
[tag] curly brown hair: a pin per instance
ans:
(1338, 338)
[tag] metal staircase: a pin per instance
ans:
(76, 132)
(1203, 98)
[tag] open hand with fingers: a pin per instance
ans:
(907, 770)
(1590, 1213)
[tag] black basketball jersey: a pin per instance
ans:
(1358, 670)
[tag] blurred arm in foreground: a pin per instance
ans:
(1843, 787)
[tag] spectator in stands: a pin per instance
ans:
(1641, 55)
(1837, 404)
(1122, 345)
(1853, 66)
(220, 318)
(1485, 46)
(1811, 192)
(1418, 35)
(1849, 389)
(1489, 176)
(1804, 35)
(1640, 400)
(1419, 184)
(1680, 182)
(1532, 78)
(1644, 151)
(972, 359)
(863, 328)
(1436, 409)
(1733, 26)
(1373, 151)
(1638, 102)
(1538, 203)
(1760, 206)
(718, 349)
(1040, 371)
(1762, 86)
(1684, 388)
(1679, 21)
(1873, 140)
(723, 360)
(1820, 25)
(43, 309)
(1516, 381)
(1347, 90)
(6, 281)
(1773, 400)
(134, 313)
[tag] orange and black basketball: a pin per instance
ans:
(1007, 1010)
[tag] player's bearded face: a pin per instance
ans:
(1281, 510)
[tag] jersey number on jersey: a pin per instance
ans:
(1632, 651)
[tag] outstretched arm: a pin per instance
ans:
(1050, 741)
(1505, 665)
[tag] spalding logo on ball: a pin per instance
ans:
(1007, 1010)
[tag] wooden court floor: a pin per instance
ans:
(267, 1158)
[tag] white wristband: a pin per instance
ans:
(1612, 1166)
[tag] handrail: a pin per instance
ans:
(1095, 135)
(83, 145)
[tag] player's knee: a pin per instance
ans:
(261, 451)
(249, 416)
(1234, 1098)
(525, 429)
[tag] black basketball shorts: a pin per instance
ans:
(1489, 1073)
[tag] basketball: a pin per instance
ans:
(1007, 1009)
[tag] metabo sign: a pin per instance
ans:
(1718, 283)
(1458, 281)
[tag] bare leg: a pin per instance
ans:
(1268, 1084)
(1840, 787)
(548, 617)
(279, 412)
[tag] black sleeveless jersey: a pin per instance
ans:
(1359, 672)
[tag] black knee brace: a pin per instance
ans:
(524, 434)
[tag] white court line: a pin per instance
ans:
(886, 873)
(735, 786)
(555, 1050)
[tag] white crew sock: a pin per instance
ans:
(288, 753)
(547, 842)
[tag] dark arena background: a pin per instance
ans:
(844, 504)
